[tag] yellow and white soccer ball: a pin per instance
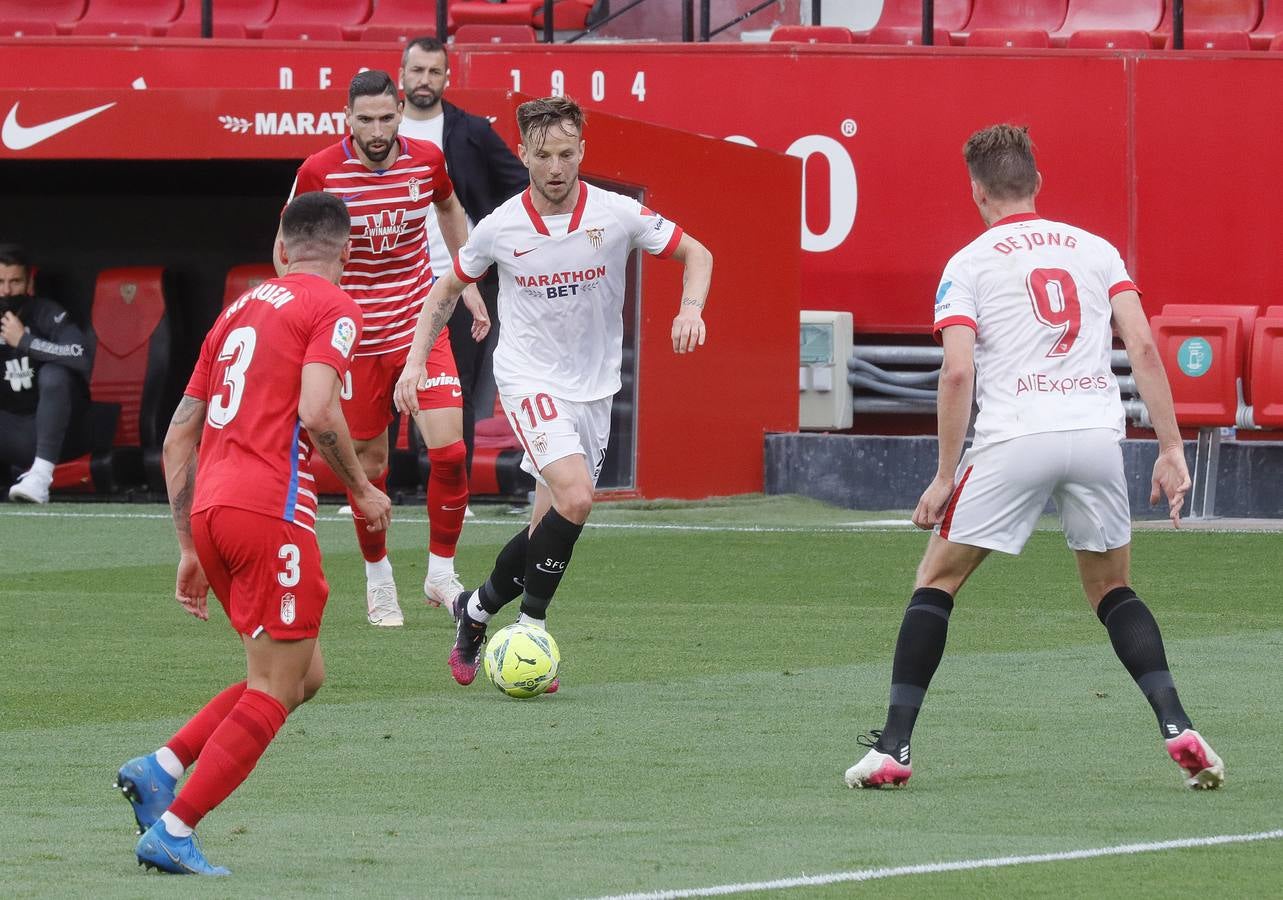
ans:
(522, 660)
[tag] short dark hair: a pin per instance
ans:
(535, 117)
(318, 221)
(1001, 158)
(427, 45)
(14, 255)
(370, 83)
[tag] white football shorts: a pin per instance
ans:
(550, 429)
(1003, 488)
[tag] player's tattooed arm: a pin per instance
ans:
(181, 441)
(328, 443)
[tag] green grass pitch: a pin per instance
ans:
(714, 680)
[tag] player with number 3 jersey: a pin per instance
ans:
(1027, 313)
(561, 248)
(263, 396)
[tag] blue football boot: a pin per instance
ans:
(158, 849)
(148, 788)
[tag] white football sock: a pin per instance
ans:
(169, 762)
(176, 826)
(524, 619)
(379, 572)
(475, 612)
(440, 566)
(42, 467)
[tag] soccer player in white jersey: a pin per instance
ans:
(1027, 314)
(561, 248)
(389, 184)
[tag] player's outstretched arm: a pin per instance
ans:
(453, 222)
(953, 412)
(688, 326)
(321, 415)
(191, 588)
(436, 311)
(1171, 474)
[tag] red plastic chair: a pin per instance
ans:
(1009, 37)
(124, 16)
(1203, 358)
(1108, 15)
(567, 15)
(1210, 15)
(1039, 15)
(495, 34)
(950, 15)
(400, 20)
(112, 29)
(1212, 40)
(1245, 313)
(1108, 39)
(1267, 369)
(24, 14)
(906, 37)
(302, 31)
(232, 18)
(244, 278)
(27, 28)
(811, 34)
(1277, 43)
(347, 15)
(1271, 24)
(478, 12)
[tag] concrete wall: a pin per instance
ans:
(866, 472)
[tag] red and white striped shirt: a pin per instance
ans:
(388, 273)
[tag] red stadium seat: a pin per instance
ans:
(400, 20)
(232, 18)
(1109, 15)
(811, 34)
(1267, 369)
(1108, 39)
(567, 15)
(1203, 358)
(1196, 39)
(478, 12)
(222, 30)
(125, 15)
(27, 28)
(1037, 15)
(1269, 27)
(886, 35)
(495, 34)
(245, 278)
(302, 31)
(1210, 15)
(23, 14)
(950, 15)
(112, 29)
(1008, 37)
(128, 382)
(347, 15)
(1245, 313)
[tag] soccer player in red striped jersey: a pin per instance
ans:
(264, 394)
(389, 183)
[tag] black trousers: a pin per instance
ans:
(473, 359)
(60, 427)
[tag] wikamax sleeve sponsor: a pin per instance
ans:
(53, 337)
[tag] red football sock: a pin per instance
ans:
(447, 496)
(374, 544)
(229, 755)
(191, 738)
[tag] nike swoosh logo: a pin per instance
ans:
(58, 318)
(348, 198)
(455, 508)
(21, 137)
(524, 252)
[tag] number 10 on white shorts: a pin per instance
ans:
(551, 428)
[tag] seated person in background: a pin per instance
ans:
(44, 398)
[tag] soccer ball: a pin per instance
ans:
(522, 660)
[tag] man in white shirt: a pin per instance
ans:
(561, 248)
(1027, 314)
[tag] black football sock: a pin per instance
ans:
(1139, 645)
(551, 545)
(508, 578)
(917, 656)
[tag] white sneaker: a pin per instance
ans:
(31, 488)
(381, 605)
(442, 591)
(1204, 770)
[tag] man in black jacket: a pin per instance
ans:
(485, 173)
(44, 398)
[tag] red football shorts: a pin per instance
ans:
(265, 571)
(367, 395)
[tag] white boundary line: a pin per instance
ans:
(962, 865)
